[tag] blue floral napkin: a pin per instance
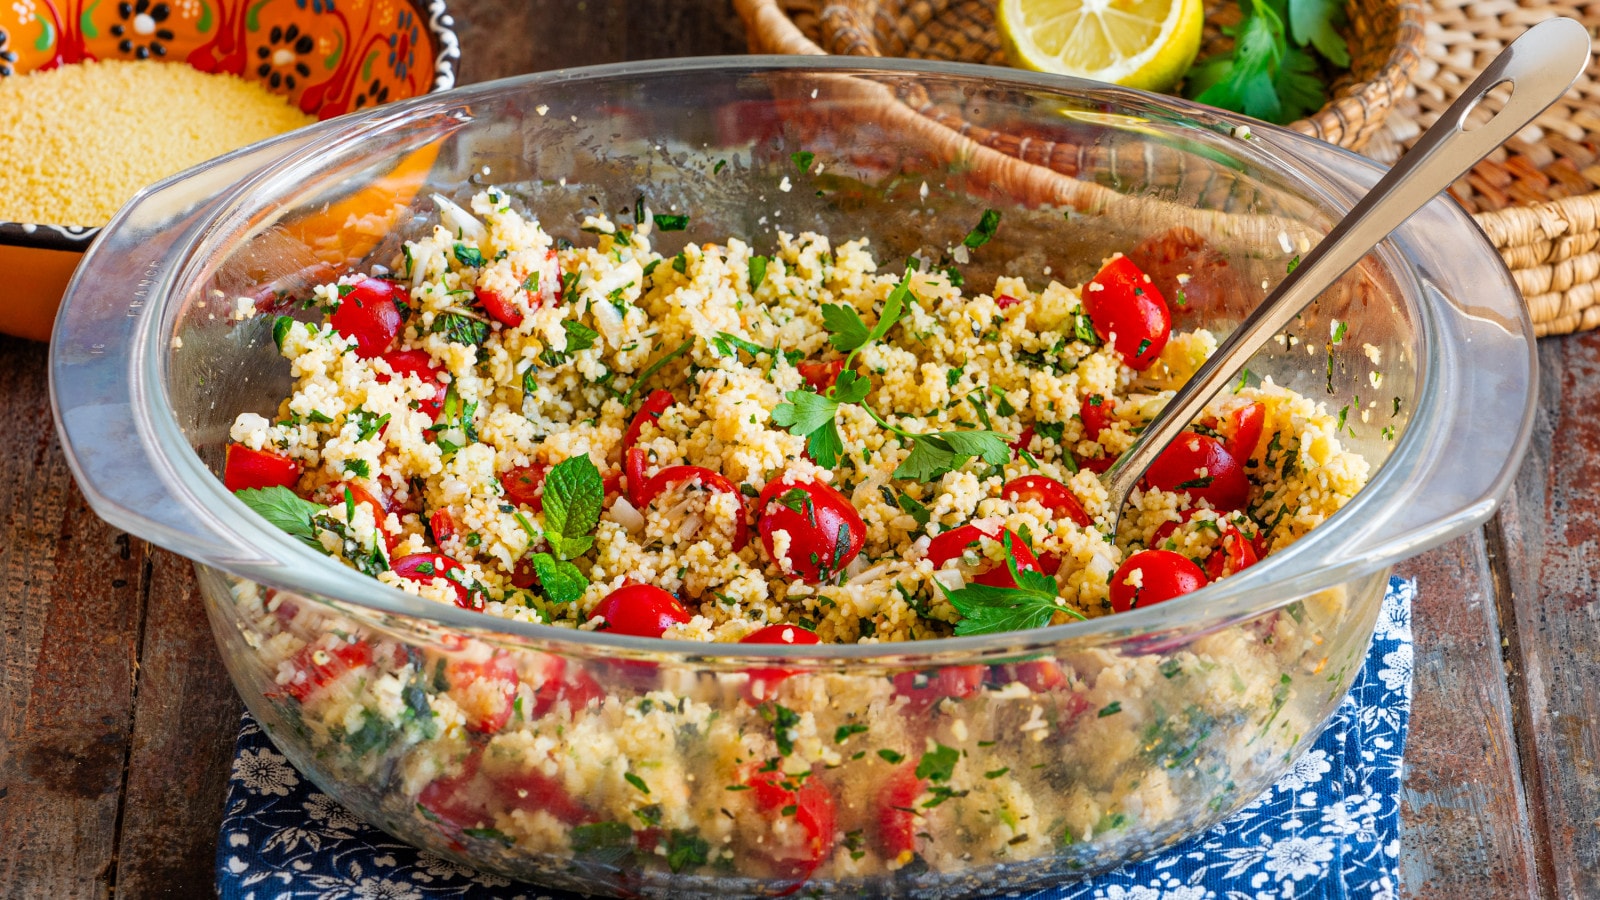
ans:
(1327, 829)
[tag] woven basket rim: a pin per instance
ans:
(1346, 119)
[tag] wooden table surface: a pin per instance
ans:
(117, 719)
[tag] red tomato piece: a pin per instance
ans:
(1039, 675)
(419, 364)
(1167, 529)
(763, 683)
(369, 315)
(925, 689)
(499, 308)
(1123, 302)
(825, 531)
(457, 802)
(245, 468)
(1095, 464)
(443, 525)
(897, 823)
(316, 667)
(1095, 411)
(814, 810)
(577, 687)
(1244, 432)
(634, 463)
(672, 476)
(955, 542)
(1049, 493)
(1161, 574)
(425, 567)
(524, 485)
(1023, 439)
(362, 497)
(487, 710)
(642, 610)
(1006, 301)
(1049, 563)
(820, 375)
(1234, 554)
(650, 410)
(1198, 464)
(533, 791)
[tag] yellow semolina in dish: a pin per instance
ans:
(701, 446)
(83, 138)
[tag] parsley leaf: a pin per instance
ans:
(986, 609)
(460, 329)
(284, 510)
(579, 335)
(573, 496)
(984, 231)
(811, 415)
(802, 159)
(939, 763)
(561, 580)
(469, 256)
(281, 327)
(1271, 73)
(914, 509)
(848, 331)
(1316, 22)
(666, 222)
(932, 455)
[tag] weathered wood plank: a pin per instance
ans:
(185, 720)
(1464, 819)
(1553, 530)
(68, 638)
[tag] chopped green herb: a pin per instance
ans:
(802, 160)
(469, 256)
(667, 222)
(984, 231)
(636, 781)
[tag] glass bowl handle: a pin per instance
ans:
(101, 335)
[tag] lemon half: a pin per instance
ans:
(1145, 44)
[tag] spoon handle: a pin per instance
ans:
(1540, 66)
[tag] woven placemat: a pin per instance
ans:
(1538, 197)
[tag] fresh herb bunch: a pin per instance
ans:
(1273, 71)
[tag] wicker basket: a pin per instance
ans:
(1385, 39)
(1538, 197)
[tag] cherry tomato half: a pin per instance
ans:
(1234, 554)
(897, 823)
(1039, 675)
(1123, 301)
(820, 375)
(524, 485)
(955, 542)
(485, 690)
(245, 468)
(1023, 439)
(825, 531)
(423, 568)
(1198, 464)
(419, 364)
(1161, 574)
(763, 684)
(1006, 301)
(812, 807)
(501, 309)
(315, 667)
(672, 476)
(443, 525)
(1095, 411)
(923, 690)
(642, 610)
(369, 315)
(650, 410)
(1049, 493)
(1244, 430)
(1168, 529)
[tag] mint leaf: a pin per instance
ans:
(284, 510)
(984, 231)
(561, 580)
(579, 335)
(573, 495)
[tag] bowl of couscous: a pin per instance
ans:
(691, 488)
(101, 99)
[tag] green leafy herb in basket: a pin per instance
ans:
(1273, 71)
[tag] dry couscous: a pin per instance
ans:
(785, 448)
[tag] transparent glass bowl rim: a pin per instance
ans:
(1277, 581)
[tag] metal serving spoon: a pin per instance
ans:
(1540, 66)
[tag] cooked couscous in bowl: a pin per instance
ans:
(789, 448)
(691, 489)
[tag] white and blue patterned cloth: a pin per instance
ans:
(1328, 829)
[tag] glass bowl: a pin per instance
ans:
(634, 766)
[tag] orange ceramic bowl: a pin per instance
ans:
(328, 57)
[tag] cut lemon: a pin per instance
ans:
(1145, 44)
